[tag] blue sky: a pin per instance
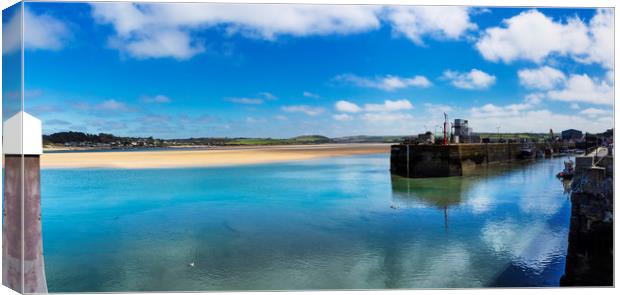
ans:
(174, 70)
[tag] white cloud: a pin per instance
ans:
(528, 117)
(311, 95)
(41, 32)
(245, 100)
(534, 98)
(609, 76)
(390, 111)
(533, 36)
(111, 105)
(516, 38)
(581, 88)
(347, 107)
(156, 99)
(574, 88)
(159, 43)
(161, 30)
(389, 106)
(253, 100)
(268, 95)
(342, 117)
(437, 108)
(308, 110)
(252, 120)
(11, 34)
(443, 22)
(384, 117)
(44, 31)
(57, 122)
(601, 48)
(543, 78)
(388, 82)
(474, 79)
(594, 112)
(492, 111)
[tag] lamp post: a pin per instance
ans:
(498, 135)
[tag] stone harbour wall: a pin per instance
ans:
(590, 257)
(417, 161)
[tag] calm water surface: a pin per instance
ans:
(321, 224)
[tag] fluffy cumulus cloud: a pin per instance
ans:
(543, 78)
(474, 79)
(529, 115)
(534, 98)
(11, 34)
(389, 106)
(44, 31)
(163, 30)
(574, 88)
(582, 88)
(601, 49)
(41, 32)
(443, 22)
(533, 36)
(347, 107)
(387, 83)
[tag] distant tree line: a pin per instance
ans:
(103, 138)
(72, 138)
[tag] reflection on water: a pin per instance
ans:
(340, 223)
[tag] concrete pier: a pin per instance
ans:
(418, 161)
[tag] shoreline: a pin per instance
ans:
(211, 157)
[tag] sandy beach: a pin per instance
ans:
(205, 158)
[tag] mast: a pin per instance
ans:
(445, 129)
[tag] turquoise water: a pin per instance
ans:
(335, 223)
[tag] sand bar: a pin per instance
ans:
(205, 158)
